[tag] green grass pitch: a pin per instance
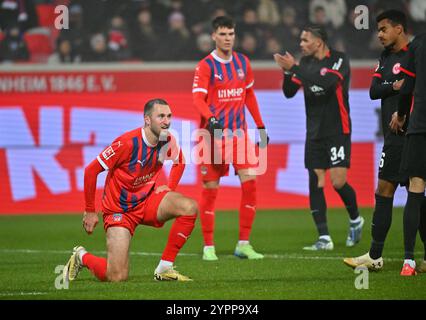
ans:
(32, 246)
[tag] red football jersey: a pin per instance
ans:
(134, 165)
(225, 82)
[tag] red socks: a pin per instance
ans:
(97, 265)
(181, 230)
(247, 211)
(208, 199)
(247, 208)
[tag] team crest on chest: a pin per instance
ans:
(240, 74)
(117, 217)
(396, 68)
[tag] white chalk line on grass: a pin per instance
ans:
(156, 254)
(13, 294)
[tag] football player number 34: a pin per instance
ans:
(337, 153)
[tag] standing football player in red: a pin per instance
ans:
(131, 197)
(222, 89)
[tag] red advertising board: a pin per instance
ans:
(53, 123)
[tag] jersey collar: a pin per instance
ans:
(146, 140)
(216, 57)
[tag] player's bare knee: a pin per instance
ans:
(338, 183)
(385, 189)
(385, 192)
(321, 183)
(317, 178)
(189, 207)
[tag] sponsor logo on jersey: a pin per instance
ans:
(230, 93)
(144, 179)
(316, 89)
(396, 68)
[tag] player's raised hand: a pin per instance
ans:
(90, 220)
(286, 62)
(279, 60)
(263, 136)
(215, 127)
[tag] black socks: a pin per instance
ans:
(317, 204)
(411, 222)
(348, 196)
(382, 220)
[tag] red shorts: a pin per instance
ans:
(146, 214)
(238, 151)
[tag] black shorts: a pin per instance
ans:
(330, 152)
(390, 162)
(413, 162)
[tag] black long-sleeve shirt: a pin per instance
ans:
(414, 68)
(387, 72)
(325, 84)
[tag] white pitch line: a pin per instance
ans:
(139, 253)
(12, 294)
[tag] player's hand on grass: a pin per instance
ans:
(263, 136)
(90, 220)
(162, 189)
(397, 123)
(215, 127)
